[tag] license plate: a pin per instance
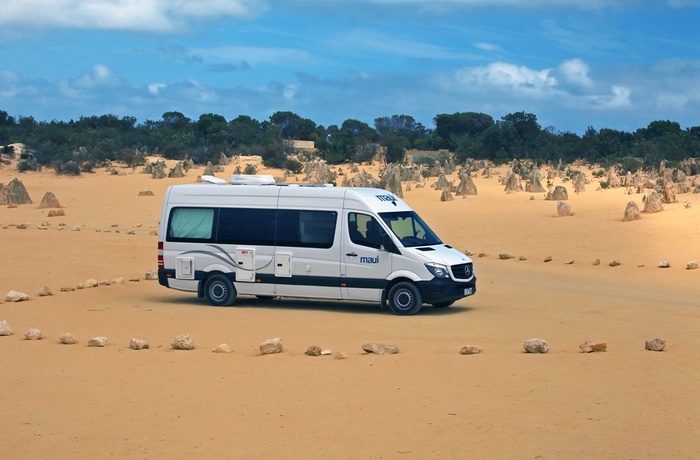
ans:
(469, 291)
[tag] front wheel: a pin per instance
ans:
(405, 299)
(219, 291)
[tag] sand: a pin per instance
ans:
(429, 401)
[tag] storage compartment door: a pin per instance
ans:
(283, 265)
(245, 265)
(184, 268)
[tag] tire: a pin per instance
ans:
(443, 304)
(219, 291)
(405, 298)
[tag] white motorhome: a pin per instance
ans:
(222, 239)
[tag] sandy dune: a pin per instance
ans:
(429, 401)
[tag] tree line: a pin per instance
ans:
(91, 140)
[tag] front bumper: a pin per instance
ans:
(441, 290)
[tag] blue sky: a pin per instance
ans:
(616, 64)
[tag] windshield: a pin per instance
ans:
(410, 229)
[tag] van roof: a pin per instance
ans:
(376, 199)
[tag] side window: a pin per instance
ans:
(309, 229)
(191, 225)
(365, 230)
(246, 226)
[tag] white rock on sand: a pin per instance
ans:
(33, 334)
(67, 338)
(97, 342)
(16, 296)
(183, 342)
(5, 328)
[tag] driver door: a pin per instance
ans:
(365, 265)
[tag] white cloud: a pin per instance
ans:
(155, 88)
(101, 76)
(137, 15)
(507, 76)
(487, 46)
(290, 92)
(88, 83)
(201, 93)
(575, 71)
(618, 98)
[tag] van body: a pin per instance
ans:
(344, 243)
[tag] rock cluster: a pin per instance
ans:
(222, 348)
(5, 328)
(14, 193)
(183, 342)
(564, 209)
(466, 184)
(16, 296)
(138, 344)
(391, 180)
(318, 172)
(593, 347)
(49, 201)
(512, 183)
(314, 350)
(655, 344)
(176, 171)
(558, 194)
(534, 184)
(97, 342)
(33, 334)
(362, 179)
(470, 350)
(271, 346)
(56, 213)
(653, 203)
(67, 339)
(631, 212)
(536, 346)
(380, 348)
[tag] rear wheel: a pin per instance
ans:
(219, 291)
(405, 298)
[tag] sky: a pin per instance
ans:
(617, 64)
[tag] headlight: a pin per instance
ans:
(438, 270)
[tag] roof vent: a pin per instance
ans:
(251, 179)
(211, 179)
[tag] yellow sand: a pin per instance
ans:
(429, 401)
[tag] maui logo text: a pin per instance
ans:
(386, 198)
(369, 260)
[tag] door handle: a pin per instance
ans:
(351, 254)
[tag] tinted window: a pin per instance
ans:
(246, 226)
(310, 229)
(191, 224)
(365, 230)
(410, 228)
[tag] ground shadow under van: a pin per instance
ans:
(309, 305)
